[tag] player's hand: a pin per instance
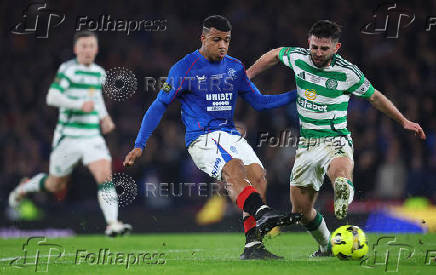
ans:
(107, 125)
(414, 127)
(88, 106)
(132, 156)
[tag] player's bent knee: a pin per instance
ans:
(55, 184)
(233, 169)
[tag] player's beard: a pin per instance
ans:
(322, 63)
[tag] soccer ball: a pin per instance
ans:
(349, 242)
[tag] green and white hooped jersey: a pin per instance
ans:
(79, 82)
(323, 94)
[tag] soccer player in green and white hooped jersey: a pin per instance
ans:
(76, 91)
(325, 81)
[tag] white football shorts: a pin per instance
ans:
(210, 152)
(69, 151)
(313, 158)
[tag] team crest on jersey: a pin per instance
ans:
(331, 83)
(310, 94)
(166, 87)
(232, 73)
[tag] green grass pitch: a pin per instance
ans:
(210, 253)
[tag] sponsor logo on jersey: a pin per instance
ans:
(233, 149)
(311, 105)
(331, 83)
(310, 94)
(166, 87)
(201, 78)
(302, 75)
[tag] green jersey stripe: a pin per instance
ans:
(80, 125)
(320, 90)
(63, 76)
(323, 133)
(357, 85)
(79, 113)
(85, 86)
(369, 93)
(340, 76)
(96, 74)
(323, 121)
(56, 86)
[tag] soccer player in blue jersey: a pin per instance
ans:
(207, 82)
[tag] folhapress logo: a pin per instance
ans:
(39, 254)
(38, 20)
(388, 20)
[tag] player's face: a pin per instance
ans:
(322, 50)
(86, 48)
(215, 44)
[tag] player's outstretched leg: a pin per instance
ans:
(249, 200)
(38, 183)
(344, 193)
(254, 248)
(303, 200)
(340, 173)
(108, 198)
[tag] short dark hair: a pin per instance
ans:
(325, 29)
(81, 34)
(218, 22)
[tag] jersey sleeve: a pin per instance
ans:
(360, 85)
(171, 88)
(285, 56)
(61, 81)
(175, 84)
(250, 93)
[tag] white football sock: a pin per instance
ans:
(108, 200)
(319, 231)
(33, 184)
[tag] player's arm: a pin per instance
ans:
(260, 102)
(265, 62)
(57, 98)
(383, 104)
(106, 123)
(154, 114)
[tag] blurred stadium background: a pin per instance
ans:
(392, 169)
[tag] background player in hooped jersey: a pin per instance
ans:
(207, 82)
(76, 91)
(325, 82)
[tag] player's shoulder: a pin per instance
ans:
(347, 67)
(295, 50)
(97, 68)
(183, 64)
(236, 63)
(68, 66)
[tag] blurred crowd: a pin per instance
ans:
(389, 163)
